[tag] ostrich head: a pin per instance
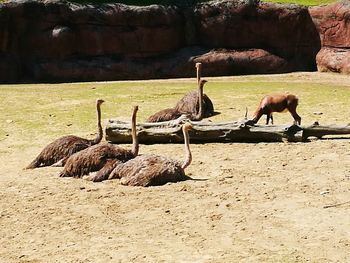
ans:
(202, 82)
(99, 101)
(187, 126)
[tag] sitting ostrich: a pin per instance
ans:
(59, 150)
(150, 169)
(173, 113)
(190, 102)
(96, 157)
(164, 115)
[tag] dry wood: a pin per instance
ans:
(319, 131)
(205, 131)
(335, 205)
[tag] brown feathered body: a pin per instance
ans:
(190, 104)
(94, 159)
(165, 115)
(62, 148)
(149, 170)
(105, 171)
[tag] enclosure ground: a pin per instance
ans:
(248, 202)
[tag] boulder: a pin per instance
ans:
(334, 60)
(236, 62)
(180, 63)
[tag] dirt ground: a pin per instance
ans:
(254, 202)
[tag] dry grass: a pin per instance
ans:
(259, 202)
(55, 109)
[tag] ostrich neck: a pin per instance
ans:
(198, 74)
(188, 157)
(99, 127)
(199, 115)
(135, 141)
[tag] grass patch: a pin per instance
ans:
(303, 2)
(33, 112)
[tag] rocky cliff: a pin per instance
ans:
(333, 24)
(60, 41)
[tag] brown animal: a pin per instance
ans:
(59, 150)
(151, 170)
(190, 103)
(277, 103)
(104, 172)
(165, 115)
(96, 157)
(173, 114)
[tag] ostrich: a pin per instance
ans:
(104, 172)
(173, 113)
(59, 150)
(96, 157)
(190, 102)
(151, 170)
(165, 115)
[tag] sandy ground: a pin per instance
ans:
(261, 202)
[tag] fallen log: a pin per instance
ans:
(205, 131)
(319, 131)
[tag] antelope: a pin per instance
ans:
(277, 103)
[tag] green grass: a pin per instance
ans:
(303, 2)
(33, 112)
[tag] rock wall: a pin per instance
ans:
(60, 41)
(333, 24)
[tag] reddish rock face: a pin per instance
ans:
(334, 60)
(333, 24)
(284, 30)
(61, 30)
(60, 41)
